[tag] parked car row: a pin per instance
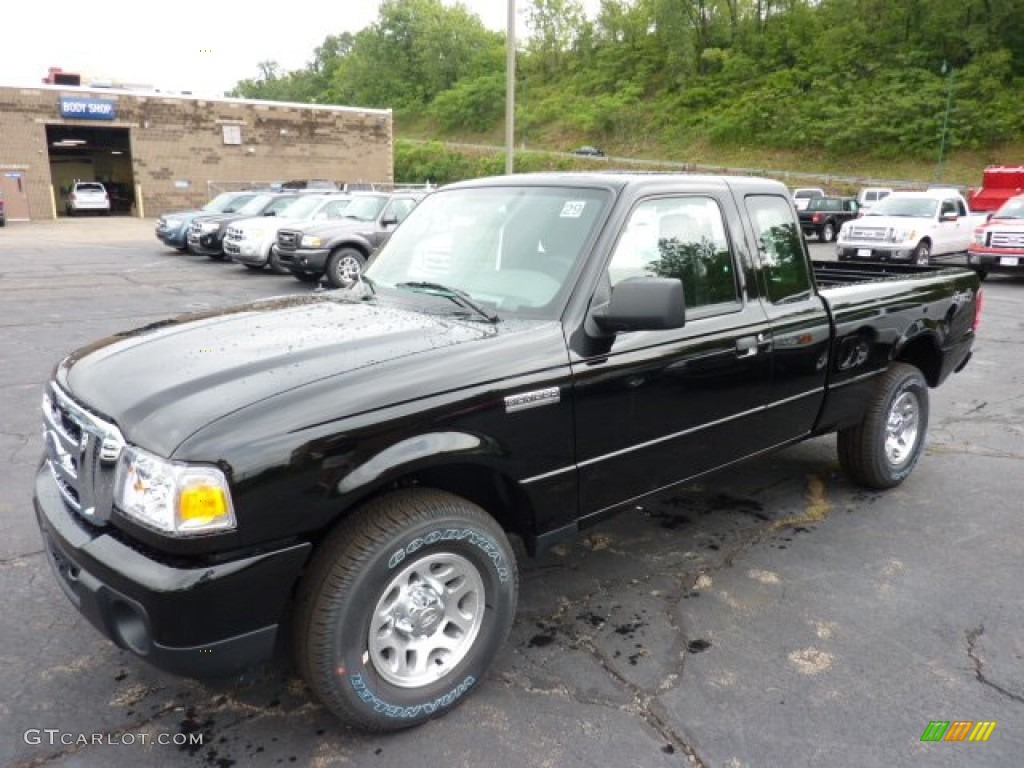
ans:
(312, 234)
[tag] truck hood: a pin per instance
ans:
(332, 228)
(897, 222)
(162, 382)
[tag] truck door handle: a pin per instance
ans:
(748, 346)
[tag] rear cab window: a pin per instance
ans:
(780, 245)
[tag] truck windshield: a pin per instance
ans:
(365, 208)
(912, 207)
(512, 249)
(1012, 209)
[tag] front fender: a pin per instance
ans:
(414, 453)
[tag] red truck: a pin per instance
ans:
(998, 244)
(998, 184)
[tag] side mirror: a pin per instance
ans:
(642, 304)
(389, 221)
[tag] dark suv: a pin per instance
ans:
(338, 250)
(172, 227)
(206, 233)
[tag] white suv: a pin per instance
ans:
(87, 196)
(803, 195)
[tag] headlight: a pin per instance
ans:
(171, 497)
(979, 237)
(311, 242)
(172, 223)
(901, 235)
(207, 227)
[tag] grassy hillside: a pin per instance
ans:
(845, 174)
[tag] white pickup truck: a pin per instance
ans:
(910, 226)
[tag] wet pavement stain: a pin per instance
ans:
(540, 641)
(698, 646)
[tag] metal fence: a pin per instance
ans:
(215, 188)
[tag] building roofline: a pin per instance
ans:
(154, 94)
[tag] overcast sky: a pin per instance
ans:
(203, 46)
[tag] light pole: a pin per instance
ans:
(945, 119)
(510, 87)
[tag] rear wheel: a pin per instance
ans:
(828, 232)
(882, 450)
(344, 267)
(404, 607)
(923, 254)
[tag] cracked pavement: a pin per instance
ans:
(771, 615)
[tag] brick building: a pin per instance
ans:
(158, 152)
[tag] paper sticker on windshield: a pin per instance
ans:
(573, 209)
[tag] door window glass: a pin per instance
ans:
(680, 237)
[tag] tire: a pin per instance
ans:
(375, 638)
(923, 254)
(344, 266)
(217, 256)
(882, 450)
(182, 249)
(981, 273)
(828, 233)
(254, 267)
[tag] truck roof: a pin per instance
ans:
(626, 180)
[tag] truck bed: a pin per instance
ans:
(830, 274)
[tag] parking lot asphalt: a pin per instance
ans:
(771, 615)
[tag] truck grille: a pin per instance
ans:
(288, 239)
(872, 234)
(81, 453)
(1006, 239)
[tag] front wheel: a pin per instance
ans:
(882, 450)
(404, 607)
(828, 232)
(923, 254)
(344, 267)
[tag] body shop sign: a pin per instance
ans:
(87, 109)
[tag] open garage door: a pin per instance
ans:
(88, 153)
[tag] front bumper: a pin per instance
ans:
(207, 245)
(876, 252)
(310, 260)
(247, 252)
(1009, 263)
(200, 620)
(175, 238)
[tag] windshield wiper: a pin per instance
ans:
(460, 297)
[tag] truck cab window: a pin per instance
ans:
(681, 237)
(780, 246)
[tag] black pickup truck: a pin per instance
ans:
(824, 216)
(524, 357)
